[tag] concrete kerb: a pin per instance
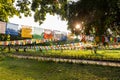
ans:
(104, 63)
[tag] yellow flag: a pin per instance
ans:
(97, 39)
(26, 32)
(0, 42)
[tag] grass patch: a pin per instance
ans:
(111, 55)
(22, 69)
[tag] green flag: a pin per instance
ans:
(38, 33)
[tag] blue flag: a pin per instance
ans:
(12, 29)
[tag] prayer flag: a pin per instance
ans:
(63, 36)
(2, 27)
(48, 34)
(57, 35)
(12, 29)
(26, 32)
(38, 33)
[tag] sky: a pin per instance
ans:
(51, 22)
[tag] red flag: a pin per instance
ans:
(48, 34)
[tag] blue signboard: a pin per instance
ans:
(12, 29)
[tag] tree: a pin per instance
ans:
(98, 16)
(41, 8)
(9, 8)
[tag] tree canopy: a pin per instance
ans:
(96, 17)
(99, 16)
(9, 8)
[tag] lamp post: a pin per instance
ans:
(78, 27)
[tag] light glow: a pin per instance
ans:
(78, 26)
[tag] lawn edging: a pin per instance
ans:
(43, 58)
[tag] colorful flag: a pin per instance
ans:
(37, 41)
(103, 39)
(26, 32)
(2, 27)
(24, 42)
(57, 35)
(115, 39)
(21, 42)
(33, 41)
(5, 43)
(38, 33)
(106, 39)
(13, 42)
(16, 42)
(111, 39)
(71, 36)
(28, 41)
(97, 39)
(48, 34)
(83, 38)
(12, 29)
(0, 42)
(63, 36)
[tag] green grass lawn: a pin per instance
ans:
(113, 55)
(23, 69)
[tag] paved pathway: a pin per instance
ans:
(104, 63)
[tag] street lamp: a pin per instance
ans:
(77, 26)
(77, 29)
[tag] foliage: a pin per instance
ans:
(42, 7)
(98, 16)
(4, 37)
(7, 9)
